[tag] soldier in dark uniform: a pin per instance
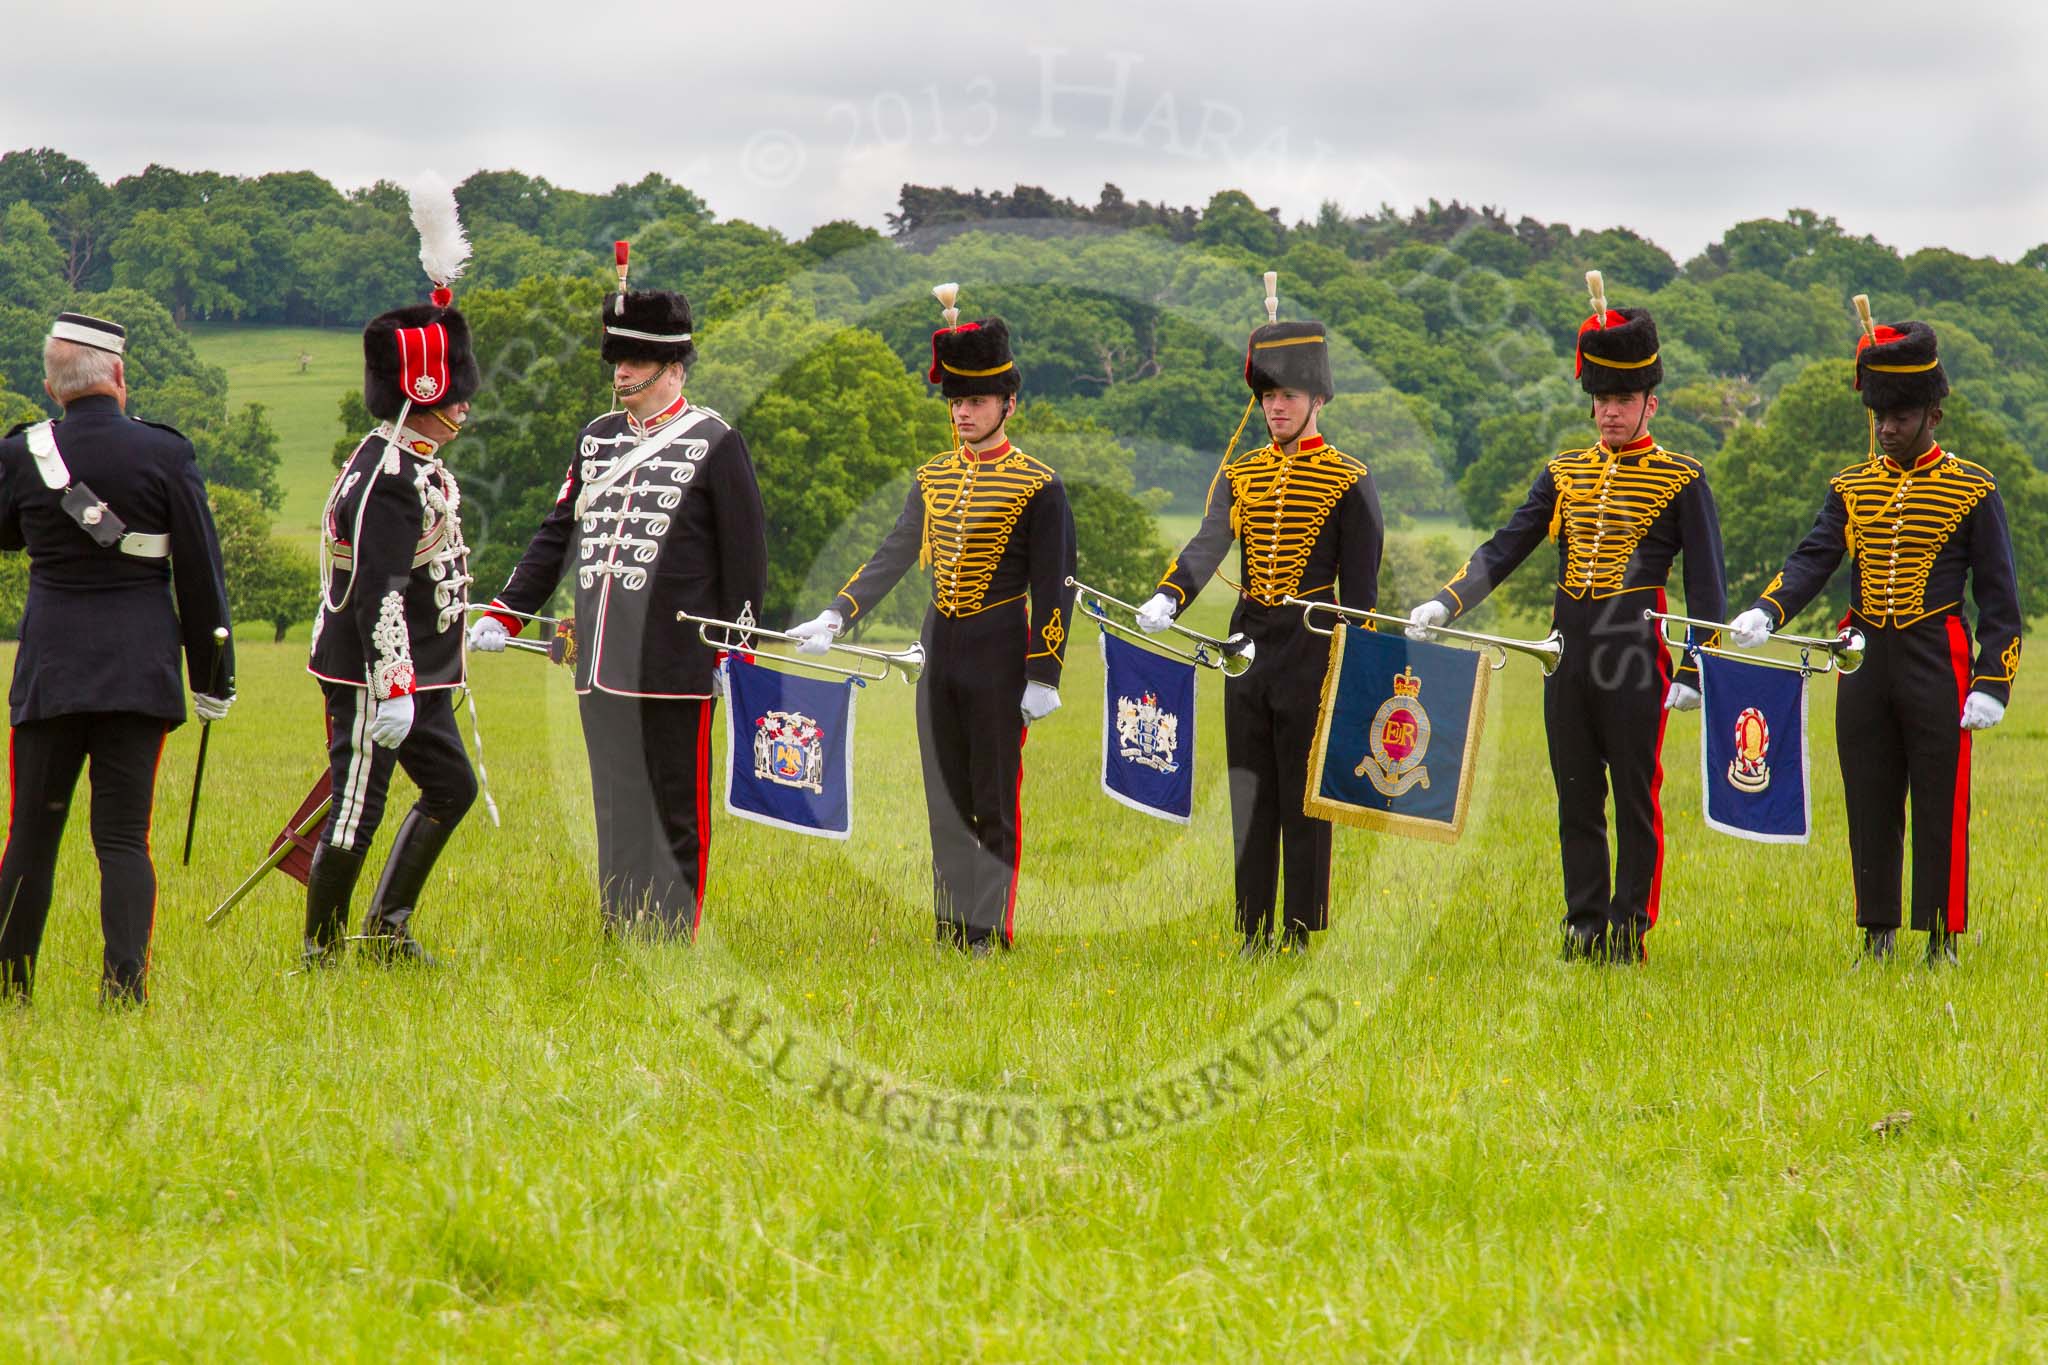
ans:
(124, 573)
(387, 646)
(1620, 511)
(1307, 520)
(994, 526)
(1919, 522)
(659, 513)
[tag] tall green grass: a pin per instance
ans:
(550, 1149)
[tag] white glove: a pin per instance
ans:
(1039, 701)
(1751, 628)
(718, 675)
(815, 636)
(1679, 697)
(1430, 613)
(392, 723)
(1156, 615)
(1982, 711)
(211, 708)
(488, 636)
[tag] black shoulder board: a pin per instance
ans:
(17, 429)
(163, 426)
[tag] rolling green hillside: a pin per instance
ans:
(263, 367)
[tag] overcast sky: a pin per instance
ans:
(1921, 123)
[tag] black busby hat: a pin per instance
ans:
(974, 358)
(648, 324)
(97, 333)
(1617, 352)
(1289, 355)
(1897, 366)
(419, 355)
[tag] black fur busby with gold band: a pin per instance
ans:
(648, 324)
(1290, 355)
(1617, 352)
(420, 356)
(1897, 366)
(974, 358)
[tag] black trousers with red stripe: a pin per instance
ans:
(1898, 732)
(45, 758)
(970, 735)
(1603, 714)
(1269, 726)
(650, 780)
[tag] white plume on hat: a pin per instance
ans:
(443, 247)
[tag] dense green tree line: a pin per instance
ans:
(1452, 327)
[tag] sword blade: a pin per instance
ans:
(277, 855)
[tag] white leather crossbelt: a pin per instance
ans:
(56, 476)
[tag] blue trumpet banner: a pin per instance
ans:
(1148, 730)
(1398, 735)
(1755, 762)
(789, 750)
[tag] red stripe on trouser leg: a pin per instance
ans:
(1017, 848)
(703, 810)
(11, 789)
(1958, 903)
(1657, 772)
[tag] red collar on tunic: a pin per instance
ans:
(1635, 447)
(1920, 461)
(660, 419)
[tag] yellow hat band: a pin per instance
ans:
(1903, 369)
(977, 374)
(1287, 341)
(1621, 364)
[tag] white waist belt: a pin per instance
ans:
(56, 476)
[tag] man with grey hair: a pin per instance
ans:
(124, 576)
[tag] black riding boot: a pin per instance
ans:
(385, 933)
(330, 882)
(123, 986)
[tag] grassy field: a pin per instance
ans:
(807, 1135)
(263, 367)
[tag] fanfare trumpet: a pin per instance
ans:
(737, 636)
(561, 649)
(1233, 656)
(1548, 651)
(1844, 652)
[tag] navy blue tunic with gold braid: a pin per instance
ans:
(998, 533)
(1921, 534)
(1307, 525)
